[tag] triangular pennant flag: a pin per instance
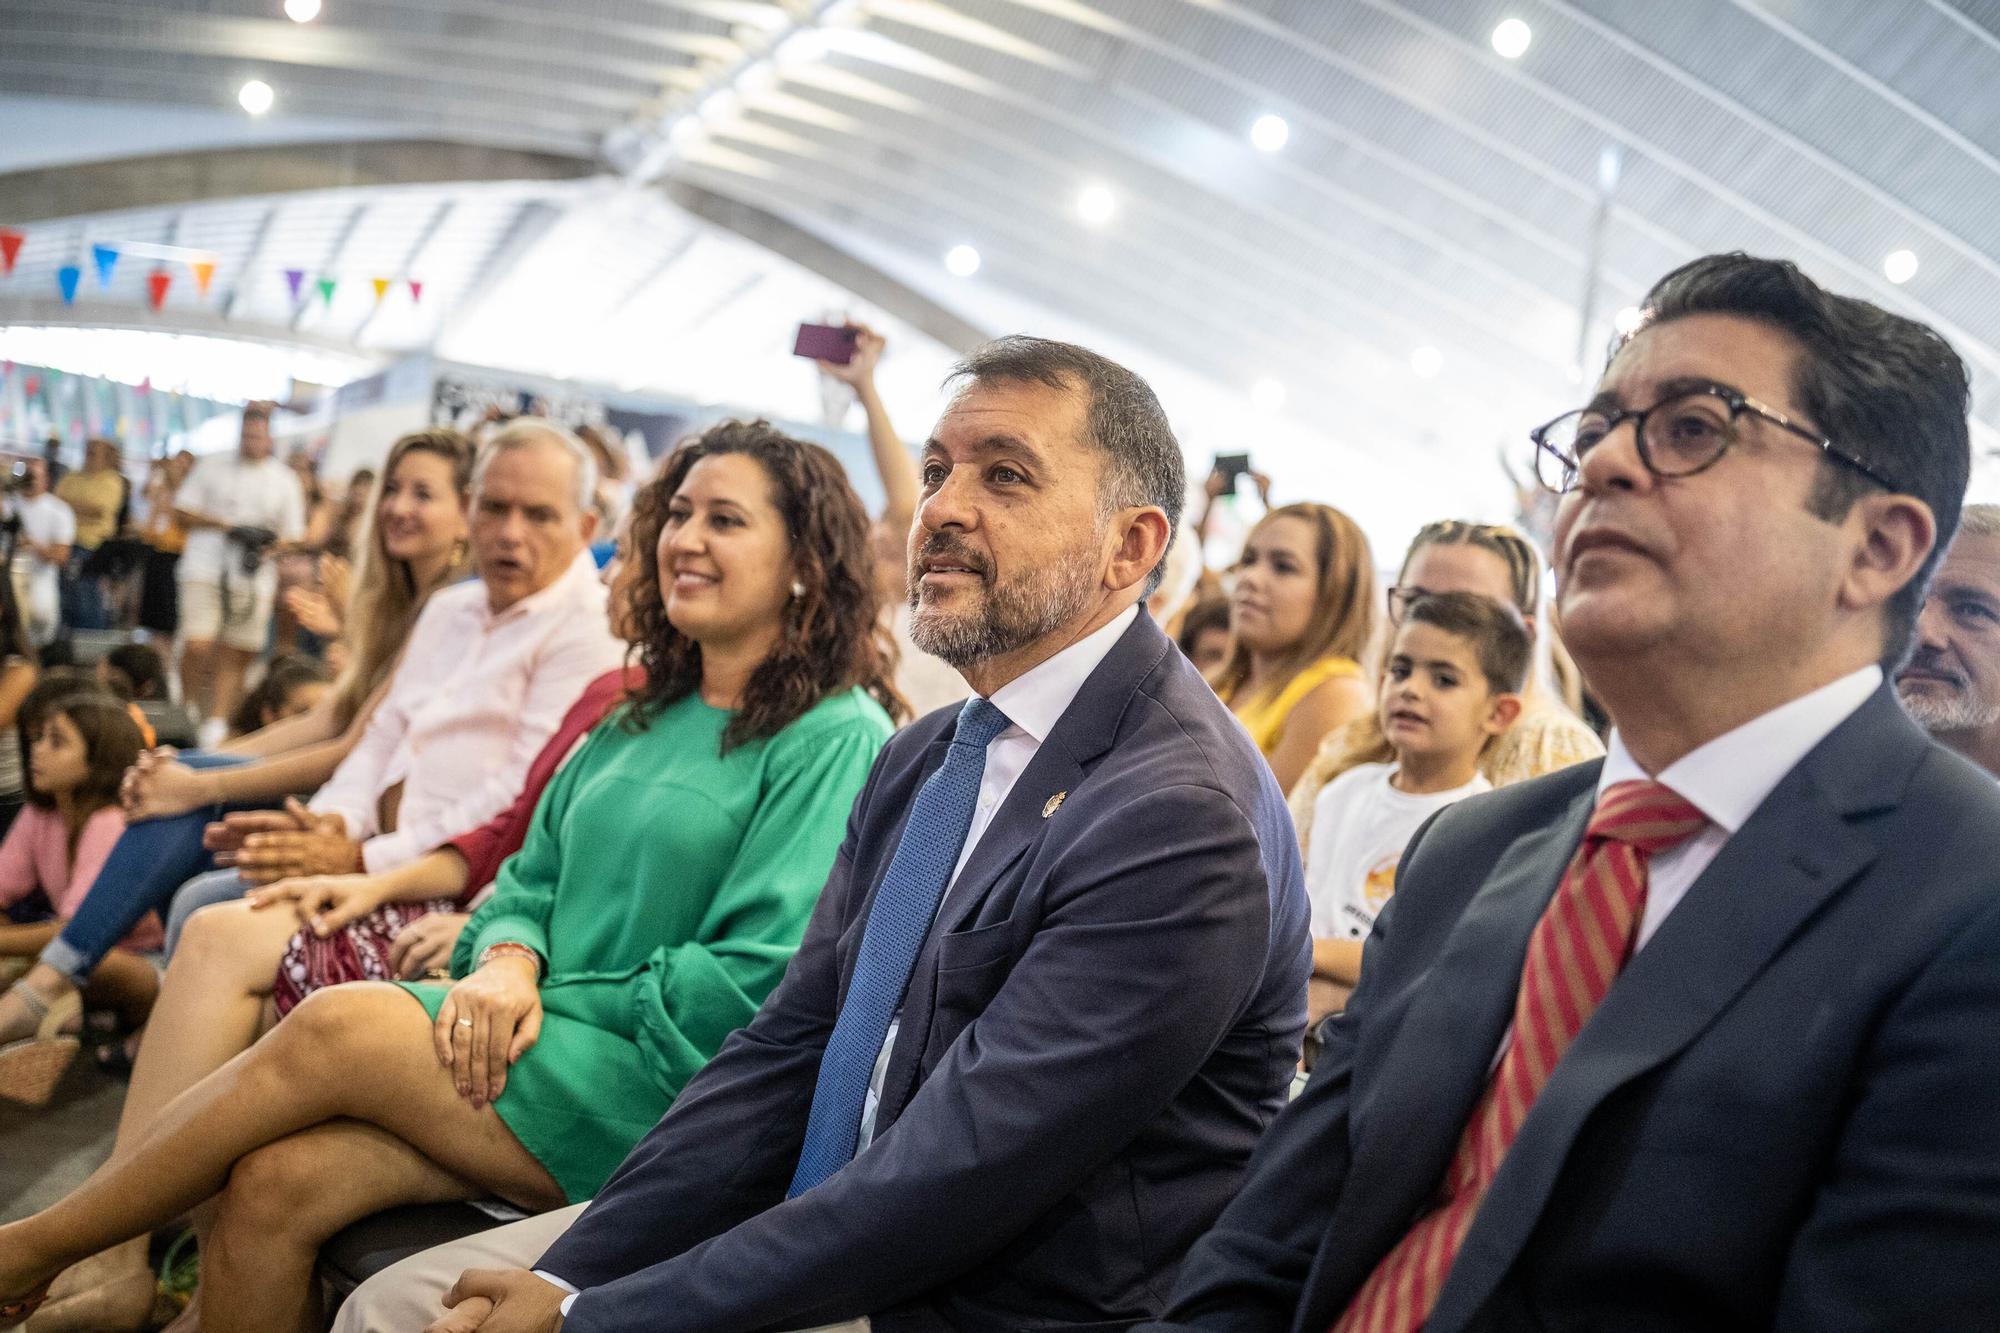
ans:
(10, 248)
(67, 277)
(157, 283)
(381, 286)
(204, 273)
(416, 291)
(107, 259)
(326, 286)
(294, 279)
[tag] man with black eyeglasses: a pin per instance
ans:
(1951, 684)
(1703, 1036)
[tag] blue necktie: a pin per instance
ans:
(898, 921)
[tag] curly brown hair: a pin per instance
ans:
(834, 638)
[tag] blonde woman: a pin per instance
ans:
(1493, 561)
(417, 543)
(1302, 620)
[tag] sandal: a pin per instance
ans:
(31, 1068)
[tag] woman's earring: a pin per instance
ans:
(798, 589)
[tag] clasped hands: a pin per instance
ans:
(266, 846)
(158, 786)
(493, 1300)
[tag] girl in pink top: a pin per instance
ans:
(77, 755)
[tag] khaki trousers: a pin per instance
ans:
(406, 1297)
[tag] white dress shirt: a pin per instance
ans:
(1033, 702)
(474, 698)
(1728, 778)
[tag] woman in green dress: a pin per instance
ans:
(668, 877)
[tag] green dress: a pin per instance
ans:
(667, 885)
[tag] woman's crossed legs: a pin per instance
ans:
(341, 1111)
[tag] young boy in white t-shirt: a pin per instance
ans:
(1452, 684)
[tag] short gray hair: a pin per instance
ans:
(1981, 520)
(1123, 419)
(524, 431)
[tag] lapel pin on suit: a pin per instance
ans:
(1054, 804)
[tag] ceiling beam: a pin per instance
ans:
(837, 266)
(54, 312)
(169, 179)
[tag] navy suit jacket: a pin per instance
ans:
(1099, 1028)
(1785, 1114)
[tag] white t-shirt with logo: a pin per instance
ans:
(1360, 826)
(239, 494)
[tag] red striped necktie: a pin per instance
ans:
(1574, 954)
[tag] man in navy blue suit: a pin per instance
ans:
(1055, 986)
(1705, 1036)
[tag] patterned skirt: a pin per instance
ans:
(358, 951)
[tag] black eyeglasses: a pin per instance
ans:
(1400, 598)
(1678, 436)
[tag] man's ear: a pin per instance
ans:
(1897, 533)
(1502, 712)
(1142, 536)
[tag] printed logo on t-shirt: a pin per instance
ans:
(1379, 884)
(1377, 887)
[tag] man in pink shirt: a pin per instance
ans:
(489, 670)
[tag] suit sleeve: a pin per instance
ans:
(1153, 937)
(1901, 1234)
(728, 1146)
(1248, 1274)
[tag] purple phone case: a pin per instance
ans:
(824, 342)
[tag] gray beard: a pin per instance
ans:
(1013, 614)
(1961, 712)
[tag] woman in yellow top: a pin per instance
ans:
(1494, 561)
(1302, 619)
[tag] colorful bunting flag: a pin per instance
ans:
(416, 291)
(204, 274)
(381, 286)
(67, 277)
(10, 248)
(294, 279)
(326, 286)
(106, 258)
(157, 283)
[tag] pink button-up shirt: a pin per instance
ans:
(473, 700)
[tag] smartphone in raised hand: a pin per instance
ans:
(826, 342)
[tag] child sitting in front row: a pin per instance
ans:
(1452, 684)
(80, 744)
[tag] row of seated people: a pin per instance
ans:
(1058, 959)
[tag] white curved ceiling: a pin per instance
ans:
(1432, 193)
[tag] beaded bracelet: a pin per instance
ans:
(510, 947)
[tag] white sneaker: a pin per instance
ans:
(212, 733)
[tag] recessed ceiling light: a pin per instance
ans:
(1627, 319)
(1270, 133)
(962, 261)
(1427, 362)
(1511, 38)
(302, 11)
(1267, 396)
(1899, 266)
(255, 97)
(1096, 204)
